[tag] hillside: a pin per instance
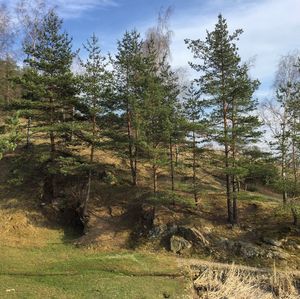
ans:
(125, 249)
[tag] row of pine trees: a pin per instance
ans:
(135, 102)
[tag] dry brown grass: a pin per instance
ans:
(236, 283)
(25, 228)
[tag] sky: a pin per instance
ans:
(271, 27)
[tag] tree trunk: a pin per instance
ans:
(235, 199)
(89, 182)
(87, 199)
(52, 189)
(283, 176)
(226, 150)
(295, 216)
(283, 159)
(133, 165)
(176, 155)
(234, 177)
(172, 165)
(228, 197)
(294, 159)
(154, 168)
(226, 146)
(51, 180)
(135, 178)
(28, 132)
(72, 129)
(194, 169)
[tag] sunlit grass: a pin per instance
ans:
(64, 271)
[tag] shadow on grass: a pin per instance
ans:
(22, 176)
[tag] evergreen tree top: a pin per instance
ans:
(52, 53)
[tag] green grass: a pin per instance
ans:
(168, 198)
(64, 271)
(253, 196)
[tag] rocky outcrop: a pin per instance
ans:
(272, 242)
(249, 250)
(244, 249)
(164, 222)
(165, 225)
(193, 235)
(179, 244)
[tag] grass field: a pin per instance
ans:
(64, 271)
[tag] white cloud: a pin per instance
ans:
(74, 8)
(71, 8)
(271, 29)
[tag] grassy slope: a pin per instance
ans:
(62, 271)
(37, 260)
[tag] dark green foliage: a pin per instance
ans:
(129, 71)
(95, 86)
(9, 87)
(49, 86)
(156, 122)
(228, 89)
(260, 168)
(196, 129)
(11, 134)
(48, 79)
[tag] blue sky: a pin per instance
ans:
(271, 27)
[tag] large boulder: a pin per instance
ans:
(193, 235)
(158, 221)
(179, 244)
(164, 222)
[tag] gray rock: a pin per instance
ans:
(243, 249)
(158, 231)
(172, 229)
(272, 242)
(179, 244)
(193, 235)
(248, 250)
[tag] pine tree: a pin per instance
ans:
(30, 14)
(220, 77)
(10, 136)
(287, 94)
(244, 125)
(155, 114)
(194, 113)
(50, 85)
(174, 130)
(128, 69)
(95, 84)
